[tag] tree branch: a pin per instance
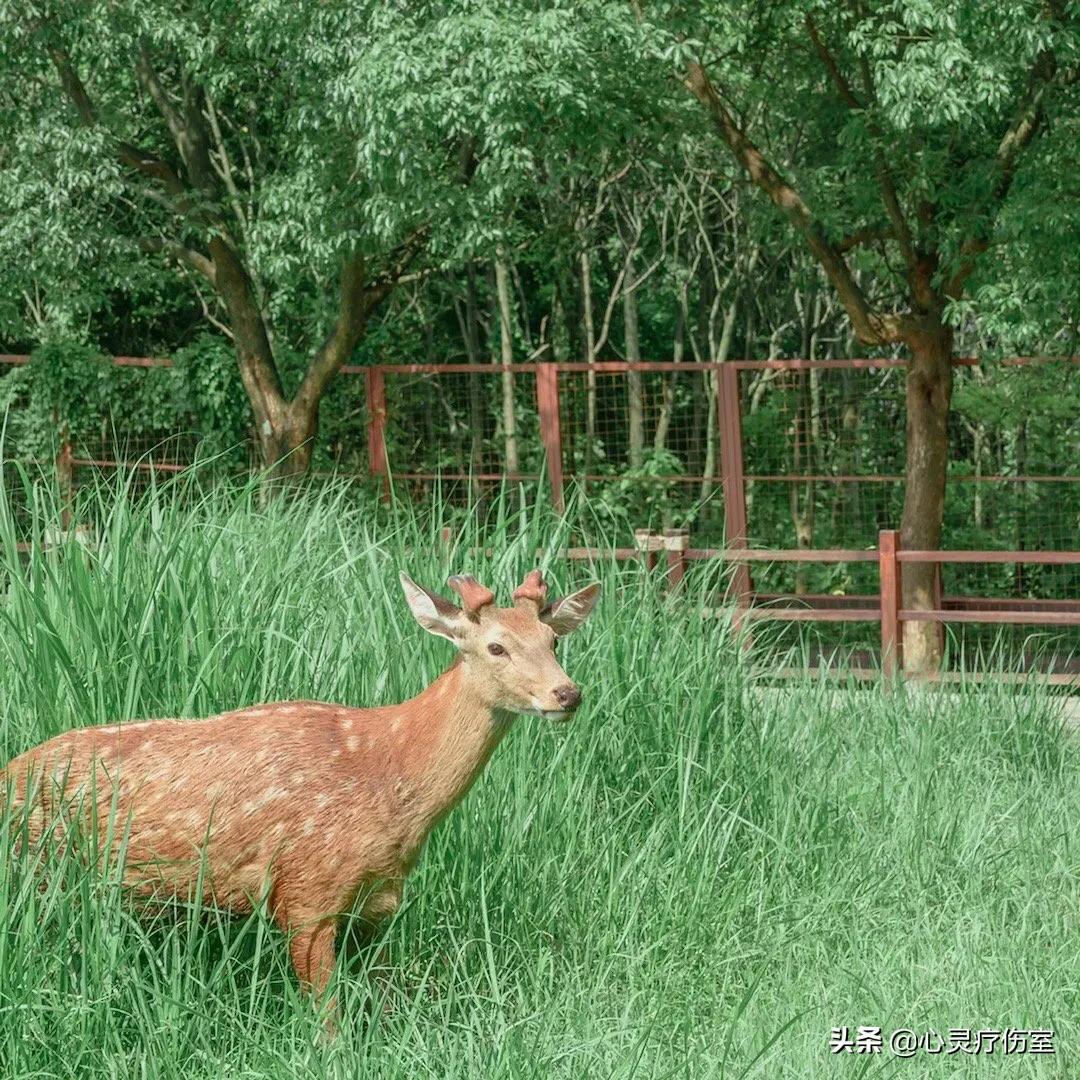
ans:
(401, 258)
(73, 85)
(185, 124)
(869, 235)
(178, 253)
(224, 268)
(224, 169)
(871, 328)
(140, 161)
(1026, 121)
(889, 197)
(827, 58)
(1025, 125)
(358, 298)
(257, 368)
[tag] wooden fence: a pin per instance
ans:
(882, 608)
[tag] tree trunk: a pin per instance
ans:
(589, 344)
(845, 493)
(718, 353)
(286, 441)
(928, 395)
(506, 356)
(634, 397)
(285, 429)
(802, 460)
(1020, 574)
(570, 316)
(667, 403)
(804, 444)
(476, 391)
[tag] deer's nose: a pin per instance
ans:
(568, 696)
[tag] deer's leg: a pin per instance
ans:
(377, 906)
(312, 953)
(311, 949)
(381, 903)
(312, 935)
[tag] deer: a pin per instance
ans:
(320, 810)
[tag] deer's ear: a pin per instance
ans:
(566, 614)
(431, 611)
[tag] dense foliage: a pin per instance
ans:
(448, 182)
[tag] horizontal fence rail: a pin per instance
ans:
(882, 608)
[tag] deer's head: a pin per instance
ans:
(509, 652)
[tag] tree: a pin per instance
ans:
(290, 160)
(891, 136)
(196, 137)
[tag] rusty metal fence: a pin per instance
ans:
(798, 465)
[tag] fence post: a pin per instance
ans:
(676, 541)
(65, 476)
(648, 544)
(547, 404)
(729, 409)
(892, 660)
(375, 384)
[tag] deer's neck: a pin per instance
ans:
(449, 733)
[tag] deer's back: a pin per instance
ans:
(251, 794)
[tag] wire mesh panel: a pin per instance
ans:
(1014, 453)
(645, 446)
(1014, 485)
(114, 446)
(657, 447)
(824, 452)
(468, 431)
(824, 458)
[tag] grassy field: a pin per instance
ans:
(692, 879)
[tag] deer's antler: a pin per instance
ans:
(531, 590)
(473, 595)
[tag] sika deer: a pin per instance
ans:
(327, 807)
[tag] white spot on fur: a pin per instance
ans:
(352, 744)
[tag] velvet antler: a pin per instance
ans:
(473, 595)
(532, 589)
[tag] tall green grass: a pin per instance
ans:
(698, 877)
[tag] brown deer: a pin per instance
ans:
(323, 809)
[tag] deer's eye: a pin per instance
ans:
(496, 649)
